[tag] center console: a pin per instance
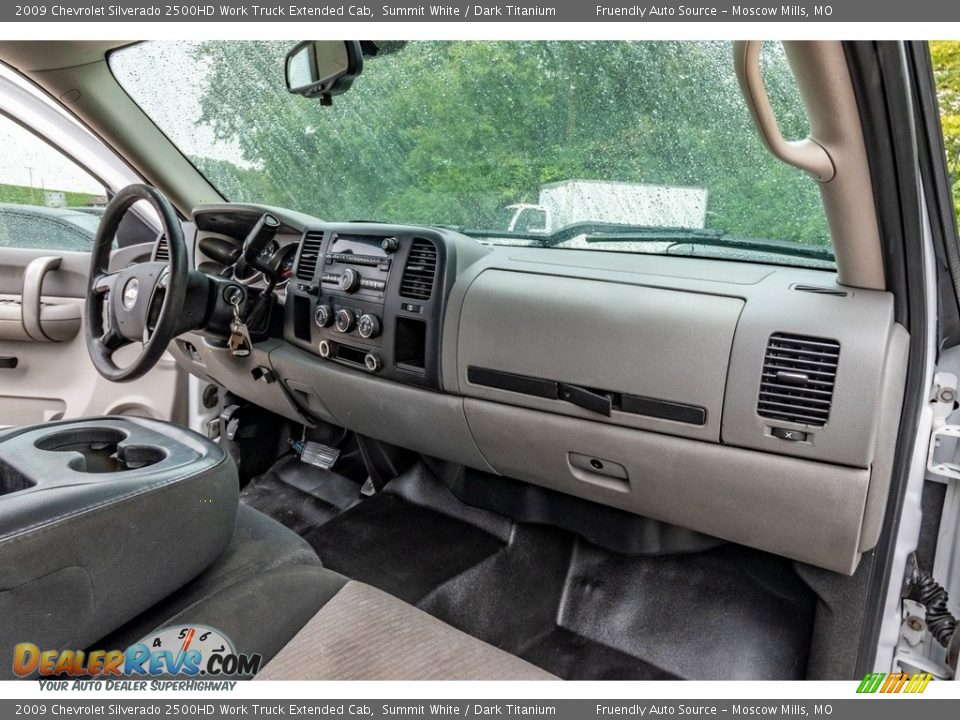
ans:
(99, 520)
(370, 297)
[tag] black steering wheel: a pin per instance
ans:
(140, 303)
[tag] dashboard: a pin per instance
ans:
(752, 402)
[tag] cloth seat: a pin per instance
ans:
(259, 592)
(363, 633)
(269, 594)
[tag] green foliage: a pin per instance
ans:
(450, 133)
(22, 195)
(946, 70)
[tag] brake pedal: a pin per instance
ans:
(318, 455)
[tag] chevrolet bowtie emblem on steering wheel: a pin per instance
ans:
(130, 293)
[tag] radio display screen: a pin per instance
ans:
(357, 245)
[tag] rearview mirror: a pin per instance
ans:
(323, 68)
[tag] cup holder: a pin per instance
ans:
(99, 450)
(12, 480)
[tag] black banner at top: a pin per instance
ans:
(578, 11)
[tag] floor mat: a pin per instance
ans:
(569, 655)
(299, 495)
(404, 549)
(544, 594)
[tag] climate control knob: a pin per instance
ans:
(349, 281)
(345, 320)
(323, 316)
(368, 326)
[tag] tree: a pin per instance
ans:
(451, 132)
(946, 70)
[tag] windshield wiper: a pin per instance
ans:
(715, 239)
(595, 232)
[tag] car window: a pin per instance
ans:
(619, 146)
(946, 69)
(47, 202)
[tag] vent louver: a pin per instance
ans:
(309, 256)
(418, 275)
(798, 377)
(161, 252)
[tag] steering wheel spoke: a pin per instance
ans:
(105, 283)
(112, 340)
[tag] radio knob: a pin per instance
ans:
(390, 244)
(349, 280)
(369, 326)
(323, 316)
(345, 320)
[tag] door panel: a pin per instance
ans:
(45, 379)
(50, 209)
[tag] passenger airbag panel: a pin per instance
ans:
(661, 355)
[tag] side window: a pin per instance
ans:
(47, 202)
(946, 69)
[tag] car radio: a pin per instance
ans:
(358, 263)
(370, 300)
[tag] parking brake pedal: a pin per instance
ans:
(321, 456)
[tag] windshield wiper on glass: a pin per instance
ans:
(712, 238)
(587, 228)
(595, 232)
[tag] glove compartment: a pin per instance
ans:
(631, 355)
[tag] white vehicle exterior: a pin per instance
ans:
(571, 201)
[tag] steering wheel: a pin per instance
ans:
(140, 303)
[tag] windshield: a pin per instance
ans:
(606, 145)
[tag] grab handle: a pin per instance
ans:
(806, 154)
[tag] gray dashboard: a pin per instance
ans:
(757, 403)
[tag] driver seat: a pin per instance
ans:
(269, 594)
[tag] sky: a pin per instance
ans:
(168, 82)
(23, 157)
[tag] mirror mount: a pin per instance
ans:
(323, 68)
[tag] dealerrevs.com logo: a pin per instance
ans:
(191, 651)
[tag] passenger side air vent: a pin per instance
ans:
(798, 377)
(418, 275)
(309, 256)
(161, 252)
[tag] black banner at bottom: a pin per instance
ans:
(874, 706)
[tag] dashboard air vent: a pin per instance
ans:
(309, 256)
(418, 275)
(798, 377)
(161, 252)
